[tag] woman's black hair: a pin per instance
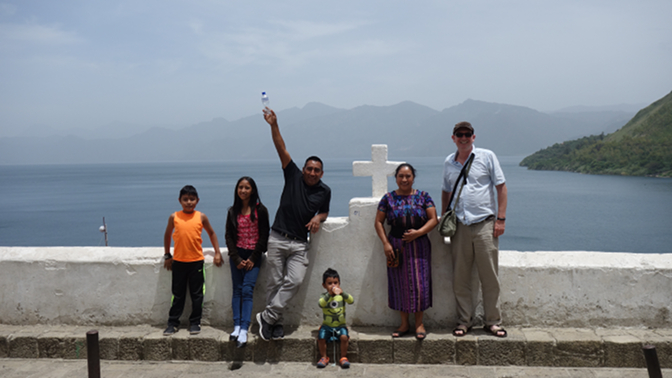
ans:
(254, 198)
(402, 165)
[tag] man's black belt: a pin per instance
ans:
(288, 236)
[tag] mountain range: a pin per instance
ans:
(409, 129)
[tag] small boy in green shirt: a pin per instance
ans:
(333, 326)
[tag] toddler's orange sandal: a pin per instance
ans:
(323, 362)
(345, 364)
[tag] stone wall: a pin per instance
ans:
(128, 286)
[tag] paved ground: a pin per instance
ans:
(28, 368)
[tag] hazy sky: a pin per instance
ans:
(90, 63)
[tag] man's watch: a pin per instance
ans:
(167, 256)
(502, 219)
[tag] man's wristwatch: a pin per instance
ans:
(167, 256)
(502, 219)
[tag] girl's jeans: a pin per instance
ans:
(243, 290)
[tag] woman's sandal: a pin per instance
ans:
(420, 335)
(461, 330)
(323, 362)
(495, 330)
(398, 333)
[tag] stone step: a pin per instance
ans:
(555, 347)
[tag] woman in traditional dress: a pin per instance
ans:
(411, 214)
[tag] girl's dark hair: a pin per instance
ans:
(402, 165)
(254, 198)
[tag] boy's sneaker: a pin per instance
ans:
(170, 330)
(194, 329)
(345, 364)
(277, 333)
(264, 328)
(323, 362)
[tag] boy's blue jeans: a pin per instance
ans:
(243, 290)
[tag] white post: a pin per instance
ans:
(378, 168)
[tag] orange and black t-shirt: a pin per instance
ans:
(187, 236)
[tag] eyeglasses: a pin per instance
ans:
(460, 135)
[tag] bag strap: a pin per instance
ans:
(463, 175)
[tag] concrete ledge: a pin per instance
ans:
(375, 345)
(4, 346)
(130, 345)
(578, 348)
(466, 349)
(62, 343)
(621, 350)
(539, 345)
(661, 338)
(206, 346)
(558, 347)
(495, 351)
(157, 347)
(108, 342)
(99, 285)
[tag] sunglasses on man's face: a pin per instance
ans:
(460, 135)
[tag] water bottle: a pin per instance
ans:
(264, 99)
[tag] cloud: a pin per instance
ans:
(292, 44)
(36, 34)
(7, 9)
(303, 30)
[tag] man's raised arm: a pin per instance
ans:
(285, 158)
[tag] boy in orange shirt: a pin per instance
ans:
(186, 227)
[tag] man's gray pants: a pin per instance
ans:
(287, 262)
(476, 245)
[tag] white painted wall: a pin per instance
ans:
(125, 286)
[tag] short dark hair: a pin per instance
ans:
(314, 158)
(330, 273)
(188, 190)
(402, 165)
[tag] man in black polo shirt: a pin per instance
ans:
(304, 204)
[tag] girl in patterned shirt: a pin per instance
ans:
(247, 230)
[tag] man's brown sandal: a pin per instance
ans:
(461, 330)
(495, 330)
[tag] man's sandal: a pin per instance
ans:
(495, 330)
(344, 362)
(323, 362)
(461, 330)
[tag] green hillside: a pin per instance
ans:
(643, 147)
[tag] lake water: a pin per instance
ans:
(63, 205)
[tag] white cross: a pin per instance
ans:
(378, 168)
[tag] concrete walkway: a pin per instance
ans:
(371, 349)
(56, 368)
